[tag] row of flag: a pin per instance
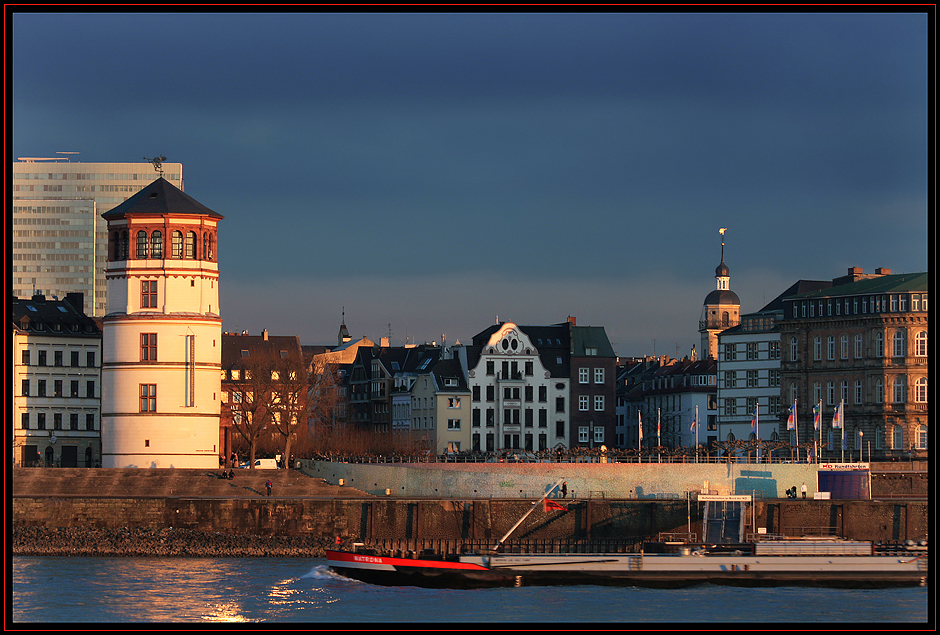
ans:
(838, 418)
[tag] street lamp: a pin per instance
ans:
(861, 446)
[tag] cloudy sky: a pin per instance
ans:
(432, 173)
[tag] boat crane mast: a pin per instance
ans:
(500, 542)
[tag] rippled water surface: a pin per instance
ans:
(289, 590)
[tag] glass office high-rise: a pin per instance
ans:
(59, 239)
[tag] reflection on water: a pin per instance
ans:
(233, 590)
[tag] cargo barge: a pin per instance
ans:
(764, 561)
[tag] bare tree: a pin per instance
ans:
(251, 401)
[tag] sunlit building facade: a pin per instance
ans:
(862, 345)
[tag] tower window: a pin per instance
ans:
(148, 347)
(156, 244)
(177, 244)
(148, 397)
(142, 244)
(148, 294)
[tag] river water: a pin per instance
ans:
(295, 590)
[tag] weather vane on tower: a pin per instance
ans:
(157, 164)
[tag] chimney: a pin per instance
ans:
(264, 334)
(383, 342)
(573, 320)
(883, 271)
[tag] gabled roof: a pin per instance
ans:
(160, 198)
(591, 337)
(552, 342)
(446, 369)
(238, 349)
(53, 317)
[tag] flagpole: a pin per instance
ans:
(820, 428)
(639, 435)
(659, 441)
(757, 432)
(796, 426)
(842, 425)
(696, 434)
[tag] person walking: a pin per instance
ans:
(803, 489)
(268, 485)
(564, 489)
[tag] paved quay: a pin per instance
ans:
(169, 483)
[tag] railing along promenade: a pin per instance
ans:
(611, 456)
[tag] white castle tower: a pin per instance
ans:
(162, 334)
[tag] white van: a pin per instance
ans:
(265, 464)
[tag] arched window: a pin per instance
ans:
(50, 455)
(817, 348)
(191, 245)
(879, 344)
(921, 437)
(920, 344)
(794, 349)
(899, 389)
(879, 439)
(858, 438)
(125, 246)
(897, 438)
(844, 346)
(900, 341)
(156, 244)
(141, 244)
(920, 390)
(725, 319)
(879, 391)
(177, 244)
(731, 436)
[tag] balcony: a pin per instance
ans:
(516, 376)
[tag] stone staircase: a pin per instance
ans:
(163, 483)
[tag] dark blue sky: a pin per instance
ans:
(432, 172)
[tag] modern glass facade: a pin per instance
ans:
(59, 238)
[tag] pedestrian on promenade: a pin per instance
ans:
(268, 486)
(803, 489)
(564, 489)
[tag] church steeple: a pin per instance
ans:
(722, 308)
(343, 335)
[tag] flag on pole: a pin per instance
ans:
(754, 420)
(817, 416)
(551, 505)
(791, 420)
(658, 428)
(694, 421)
(837, 416)
(639, 422)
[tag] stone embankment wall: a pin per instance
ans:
(230, 525)
(97, 512)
